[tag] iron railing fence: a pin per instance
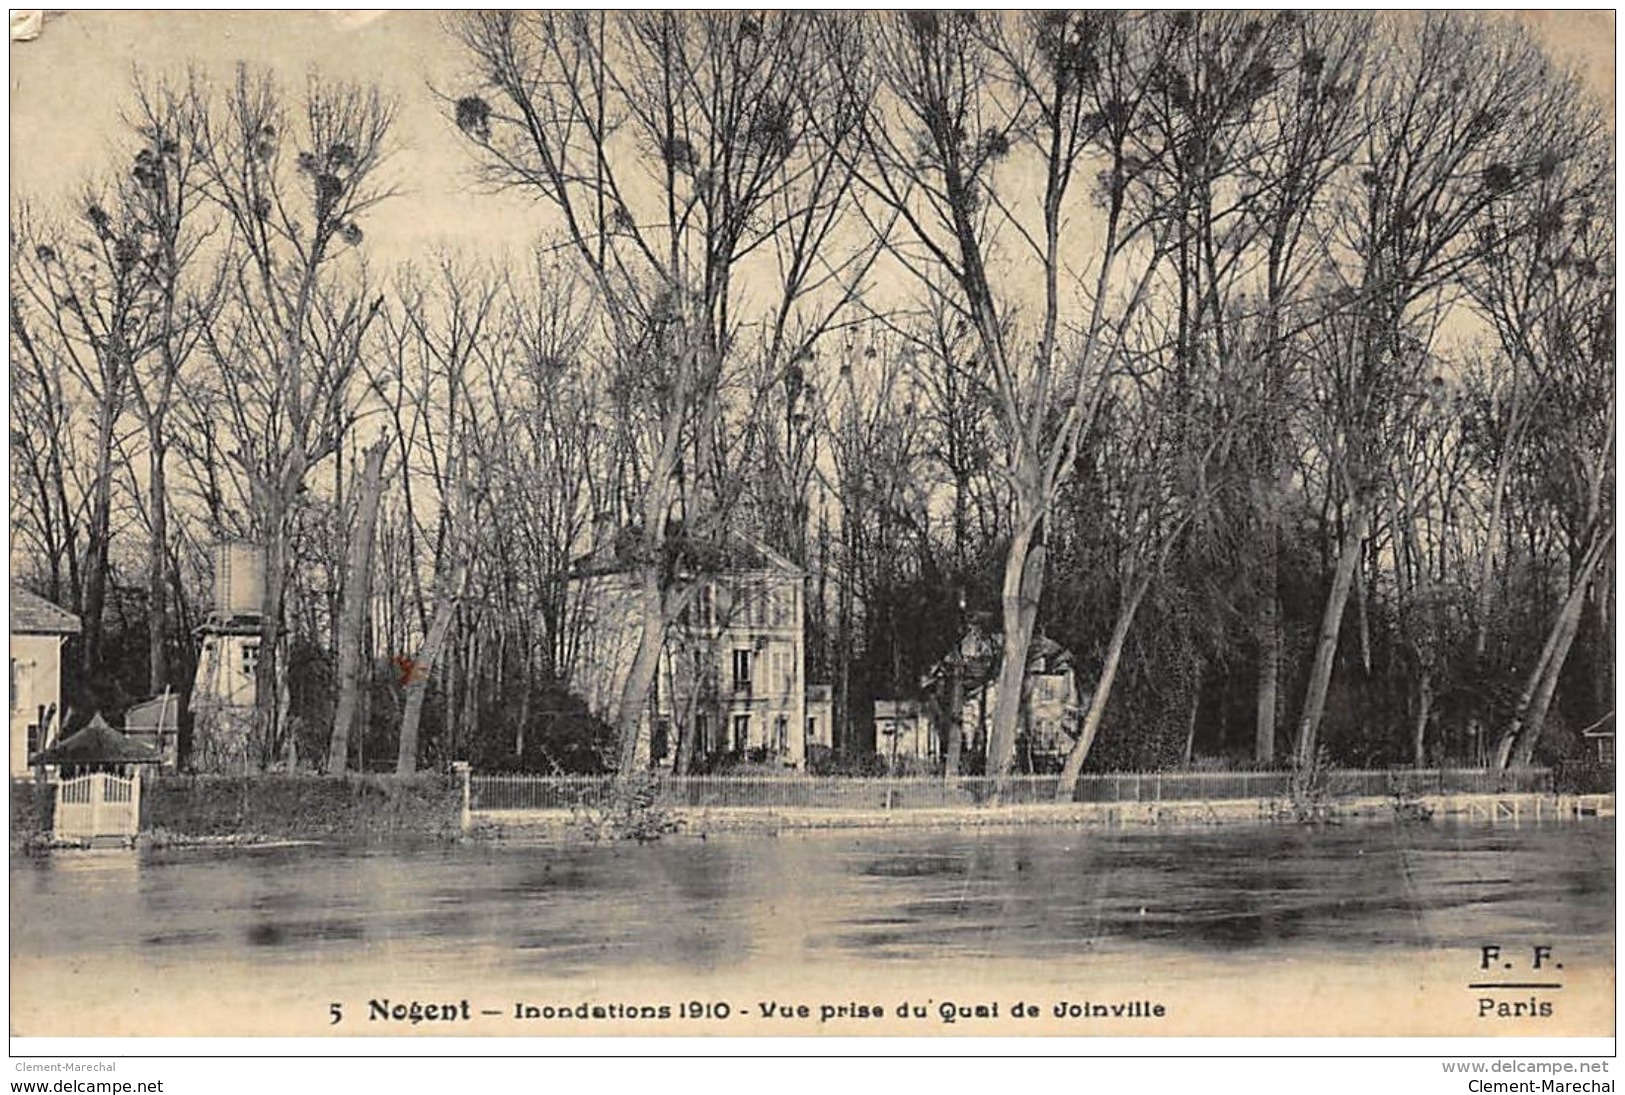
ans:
(530, 792)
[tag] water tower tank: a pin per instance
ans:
(239, 579)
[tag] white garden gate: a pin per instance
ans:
(97, 805)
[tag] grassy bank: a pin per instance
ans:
(301, 807)
(33, 806)
(180, 809)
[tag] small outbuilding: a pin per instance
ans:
(156, 723)
(98, 785)
(99, 748)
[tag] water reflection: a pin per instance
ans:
(870, 897)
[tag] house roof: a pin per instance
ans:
(159, 713)
(730, 553)
(98, 743)
(32, 614)
(978, 657)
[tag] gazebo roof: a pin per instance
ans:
(98, 743)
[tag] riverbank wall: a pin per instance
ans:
(432, 806)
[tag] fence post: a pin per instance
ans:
(465, 818)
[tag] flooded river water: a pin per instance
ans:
(1244, 927)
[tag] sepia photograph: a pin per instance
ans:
(891, 525)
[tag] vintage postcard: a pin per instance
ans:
(542, 524)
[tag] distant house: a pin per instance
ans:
(38, 631)
(1601, 740)
(731, 671)
(820, 716)
(903, 731)
(1052, 704)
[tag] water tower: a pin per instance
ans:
(225, 691)
(239, 580)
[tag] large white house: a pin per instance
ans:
(731, 673)
(38, 631)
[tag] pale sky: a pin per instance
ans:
(68, 85)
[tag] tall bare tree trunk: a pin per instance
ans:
(98, 536)
(632, 718)
(1331, 623)
(1529, 716)
(267, 690)
(422, 668)
(1103, 691)
(1195, 710)
(684, 758)
(157, 568)
(953, 747)
(357, 596)
(1424, 712)
(1268, 637)
(1023, 585)
(1492, 546)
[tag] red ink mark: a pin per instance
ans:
(409, 670)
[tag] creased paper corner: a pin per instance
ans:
(26, 23)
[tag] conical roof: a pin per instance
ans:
(98, 743)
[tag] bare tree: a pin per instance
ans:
(956, 101)
(1161, 437)
(678, 151)
(1455, 121)
(357, 598)
(44, 512)
(87, 286)
(163, 191)
(293, 187)
(1301, 136)
(425, 369)
(1546, 282)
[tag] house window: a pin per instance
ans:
(708, 606)
(702, 733)
(812, 729)
(741, 733)
(783, 728)
(251, 659)
(742, 670)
